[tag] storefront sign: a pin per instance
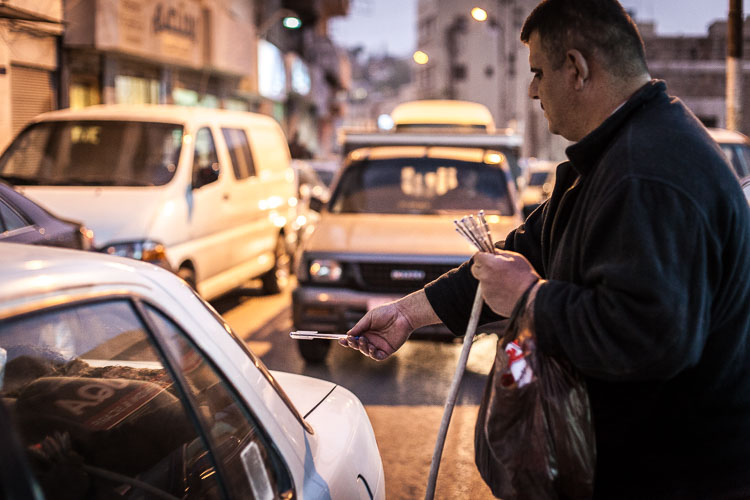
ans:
(174, 20)
(168, 30)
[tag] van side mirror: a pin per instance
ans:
(316, 203)
(205, 175)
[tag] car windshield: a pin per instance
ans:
(93, 153)
(421, 186)
(739, 157)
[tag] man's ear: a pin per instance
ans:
(580, 66)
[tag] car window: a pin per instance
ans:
(239, 151)
(72, 153)
(538, 178)
(250, 460)
(205, 161)
(95, 403)
(421, 186)
(10, 220)
(743, 151)
(737, 156)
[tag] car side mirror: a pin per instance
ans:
(316, 204)
(206, 175)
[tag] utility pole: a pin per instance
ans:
(734, 65)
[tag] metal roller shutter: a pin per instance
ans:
(31, 94)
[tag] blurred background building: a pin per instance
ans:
(232, 54)
(237, 54)
(694, 68)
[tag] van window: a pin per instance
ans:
(93, 153)
(205, 161)
(239, 150)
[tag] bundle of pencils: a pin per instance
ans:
(476, 231)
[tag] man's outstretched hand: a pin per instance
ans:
(384, 329)
(380, 332)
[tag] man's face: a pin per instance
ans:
(551, 86)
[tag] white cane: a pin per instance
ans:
(450, 402)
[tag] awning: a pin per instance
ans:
(12, 12)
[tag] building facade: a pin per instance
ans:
(30, 34)
(694, 68)
(485, 62)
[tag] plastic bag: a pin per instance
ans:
(534, 437)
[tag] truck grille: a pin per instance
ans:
(398, 277)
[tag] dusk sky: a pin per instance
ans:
(390, 25)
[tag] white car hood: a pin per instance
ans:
(115, 214)
(398, 234)
(305, 392)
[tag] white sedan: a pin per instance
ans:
(118, 381)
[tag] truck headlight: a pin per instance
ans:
(148, 251)
(325, 270)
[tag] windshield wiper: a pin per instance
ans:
(17, 180)
(78, 181)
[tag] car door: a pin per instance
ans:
(254, 232)
(208, 208)
(93, 400)
(251, 464)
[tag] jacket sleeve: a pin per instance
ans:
(642, 310)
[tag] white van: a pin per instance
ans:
(206, 193)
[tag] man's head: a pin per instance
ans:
(586, 56)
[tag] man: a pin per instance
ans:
(638, 266)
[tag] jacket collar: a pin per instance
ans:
(584, 155)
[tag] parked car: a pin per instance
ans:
(118, 381)
(312, 193)
(737, 148)
(540, 179)
(206, 193)
(388, 230)
(23, 221)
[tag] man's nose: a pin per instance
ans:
(533, 89)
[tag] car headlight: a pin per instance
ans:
(148, 251)
(325, 270)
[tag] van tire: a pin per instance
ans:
(314, 351)
(187, 274)
(277, 278)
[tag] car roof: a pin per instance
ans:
(443, 112)
(149, 113)
(394, 152)
(724, 136)
(29, 271)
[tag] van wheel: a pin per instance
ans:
(314, 351)
(188, 275)
(276, 280)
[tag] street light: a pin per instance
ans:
(479, 14)
(289, 19)
(420, 57)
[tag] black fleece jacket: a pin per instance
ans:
(645, 242)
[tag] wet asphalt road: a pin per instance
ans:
(404, 395)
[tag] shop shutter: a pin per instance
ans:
(31, 94)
